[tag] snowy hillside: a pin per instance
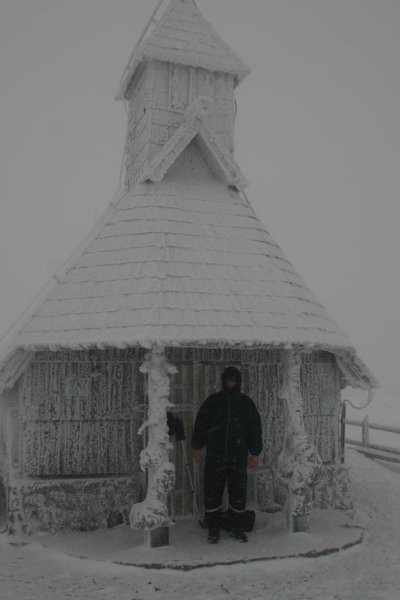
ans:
(366, 572)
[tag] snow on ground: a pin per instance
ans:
(330, 530)
(369, 571)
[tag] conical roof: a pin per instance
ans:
(184, 264)
(179, 263)
(184, 36)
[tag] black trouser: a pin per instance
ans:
(217, 471)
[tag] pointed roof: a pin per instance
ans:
(185, 264)
(184, 36)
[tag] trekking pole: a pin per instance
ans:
(196, 508)
(171, 500)
(175, 427)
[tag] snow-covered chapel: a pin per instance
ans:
(179, 280)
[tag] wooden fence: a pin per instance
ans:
(372, 450)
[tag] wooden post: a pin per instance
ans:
(365, 431)
(151, 515)
(343, 433)
(300, 461)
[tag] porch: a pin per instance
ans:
(330, 532)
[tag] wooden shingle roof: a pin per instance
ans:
(185, 264)
(181, 265)
(184, 36)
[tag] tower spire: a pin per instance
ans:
(183, 36)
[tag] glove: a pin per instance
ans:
(197, 456)
(253, 461)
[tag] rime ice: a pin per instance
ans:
(179, 260)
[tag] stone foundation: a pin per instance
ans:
(87, 504)
(81, 504)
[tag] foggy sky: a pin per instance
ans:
(318, 136)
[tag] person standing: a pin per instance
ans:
(228, 425)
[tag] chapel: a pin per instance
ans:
(179, 279)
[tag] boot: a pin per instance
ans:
(213, 520)
(239, 535)
(213, 534)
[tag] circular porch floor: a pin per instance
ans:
(331, 531)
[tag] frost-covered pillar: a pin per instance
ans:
(299, 462)
(152, 513)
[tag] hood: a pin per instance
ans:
(231, 372)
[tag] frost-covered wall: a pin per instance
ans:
(321, 393)
(80, 411)
(159, 96)
(137, 142)
(10, 447)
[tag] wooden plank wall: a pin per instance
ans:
(80, 411)
(321, 391)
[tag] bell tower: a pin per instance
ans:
(179, 88)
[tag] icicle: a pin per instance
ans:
(152, 513)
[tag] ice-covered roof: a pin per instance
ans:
(179, 263)
(182, 263)
(184, 36)
(185, 264)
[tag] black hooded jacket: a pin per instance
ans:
(228, 423)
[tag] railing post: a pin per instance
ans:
(365, 431)
(343, 432)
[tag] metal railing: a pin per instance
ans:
(364, 445)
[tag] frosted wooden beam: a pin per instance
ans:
(195, 125)
(299, 461)
(152, 514)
